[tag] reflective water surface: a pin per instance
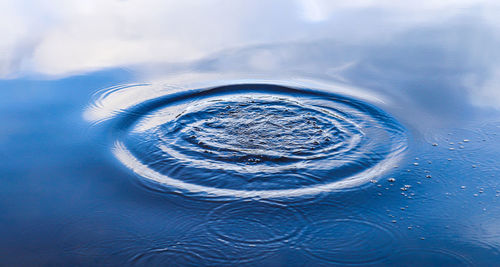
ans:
(279, 134)
(255, 140)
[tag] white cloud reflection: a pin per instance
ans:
(60, 37)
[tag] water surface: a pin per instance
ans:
(331, 135)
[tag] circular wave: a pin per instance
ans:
(348, 241)
(257, 140)
(253, 223)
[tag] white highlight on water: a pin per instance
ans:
(129, 160)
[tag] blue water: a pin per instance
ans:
(253, 140)
(317, 151)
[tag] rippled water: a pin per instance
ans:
(254, 172)
(255, 140)
(338, 135)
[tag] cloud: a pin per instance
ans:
(61, 37)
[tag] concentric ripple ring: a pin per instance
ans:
(253, 140)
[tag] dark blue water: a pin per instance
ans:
(253, 140)
(317, 151)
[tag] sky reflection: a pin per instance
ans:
(433, 65)
(459, 39)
